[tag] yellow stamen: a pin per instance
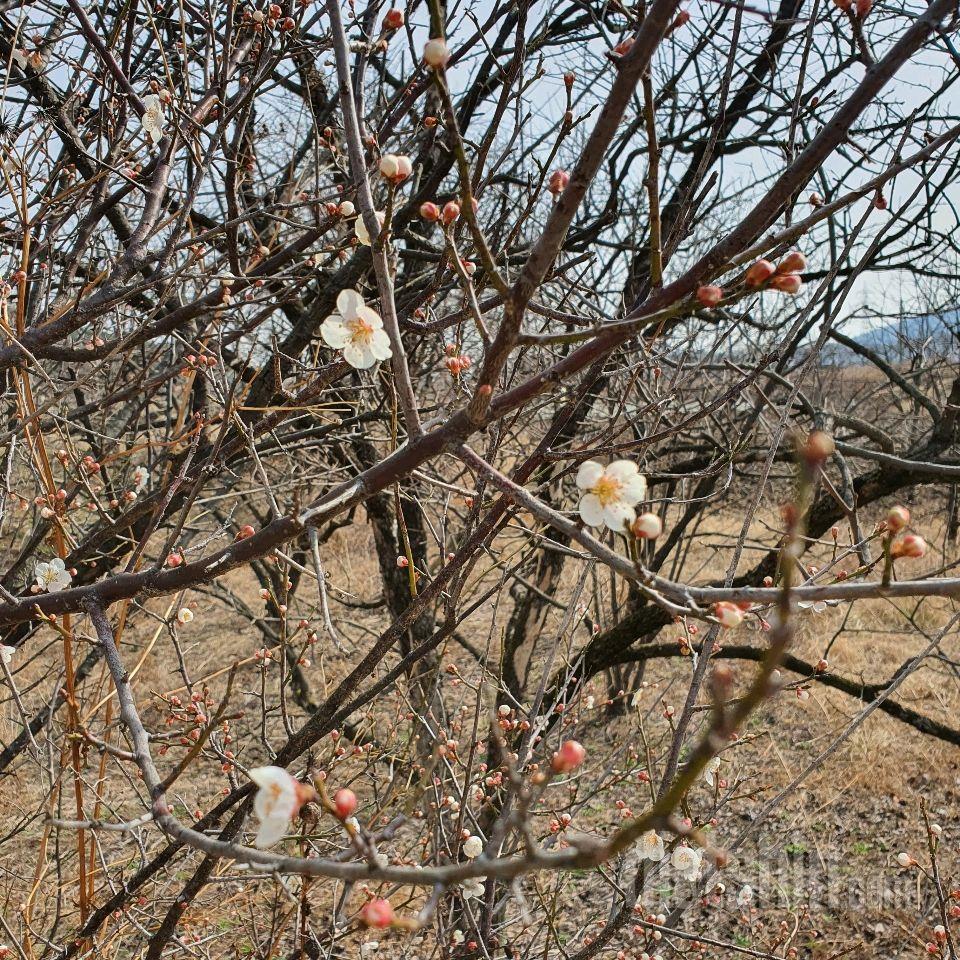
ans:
(607, 490)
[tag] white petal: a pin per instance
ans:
(616, 514)
(57, 565)
(6, 653)
(359, 357)
(361, 232)
(622, 470)
(371, 316)
(334, 332)
(272, 830)
(380, 345)
(349, 302)
(589, 473)
(634, 489)
(591, 512)
(277, 796)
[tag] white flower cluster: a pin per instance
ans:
(685, 860)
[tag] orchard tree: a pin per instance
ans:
(394, 396)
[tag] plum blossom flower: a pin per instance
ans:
(651, 846)
(141, 477)
(472, 888)
(357, 331)
(687, 861)
(53, 575)
(278, 800)
(472, 847)
(710, 771)
(745, 895)
(610, 493)
(152, 119)
(360, 228)
(6, 654)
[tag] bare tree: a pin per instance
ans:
(397, 388)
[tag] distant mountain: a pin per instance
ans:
(901, 340)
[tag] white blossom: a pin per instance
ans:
(651, 846)
(472, 847)
(278, 800)
(472, 887)
(710, 770)
(6, 653)
(360, 228)
(687, 861)
(141, 477)
(357, 330)
(185, 615)
(610, 493)
(745, 895)
(152, 119)
(53, 575)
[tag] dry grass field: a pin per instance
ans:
(822, 866)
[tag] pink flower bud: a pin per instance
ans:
(818, 447)
(558, 182)
(389, 168)
(898, 518)
(451, 210)
(436, 53)
(789, 283)
(623, 47)
(430, 212)
(404, 167)
(793, 262)
(816, 200)
(244, 532)
(709, 295)
(647, 526)
(402, 562)
(378, 913)
(911, 546)
(728, 614)
(393, 19)
(344, 803)
(570, 755)
(759, 273)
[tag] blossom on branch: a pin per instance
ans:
(687, 862)
(52, 575)
(276, 803)
(610, 493)
(152, 119)
(360, 228)
(357, 330)
(651, 846)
